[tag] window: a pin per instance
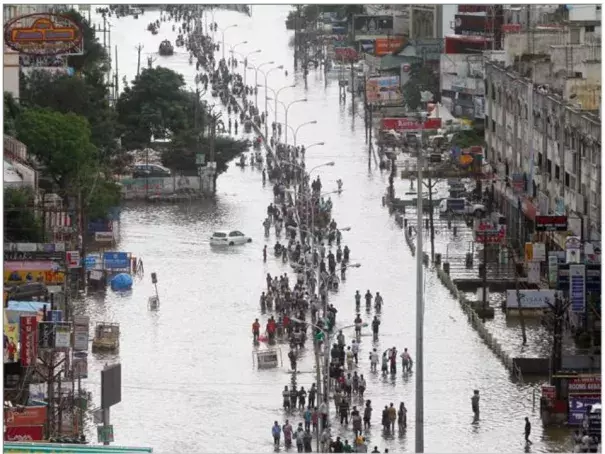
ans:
(493, 92)
(493, 126)
(539, 159)
(557, 172)
(590, 28)
(567, 179)
(549, 166)
(219, 235)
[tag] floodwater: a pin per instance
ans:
(189, 382)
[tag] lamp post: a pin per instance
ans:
(245, 60)
(276, 95)
(286, 114)
(223, 30)
(232, 48)
(266, 74)
(256, 68)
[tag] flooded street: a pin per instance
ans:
(189, 383)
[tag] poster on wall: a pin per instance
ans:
(383, 90)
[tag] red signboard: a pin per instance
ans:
(408, 124)
(24, 433)
(585, 385)
(486, 233)
(384, 46)
(472, 8)
(25, 416)
(29, 340)
(550, 392)
(511, 28)
(345, 53)
(551, 223)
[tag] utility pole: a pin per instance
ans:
(430, 186)
(419, 433)
(117, 78)
(353, 88)
(371, 110)
(511, 251)
(139, 48)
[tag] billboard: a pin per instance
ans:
(472, 8)
(383, 90)
(585, 385)
(577, 288)
(11, 341)
(25, 416)
(551, 223)
(111, 385)
(29, 340)
(578, 407)
(345, 54)
(34, 251)
(384, 46)
(373, 25)
(116, 260)
(530, 299)
(472, 25)
(409, 124)
(44, 34)
(24, 434)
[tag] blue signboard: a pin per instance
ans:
(56, 316)
(90, 261)
(116, 260)
(578, 407)
(593, 277)
(577, 288)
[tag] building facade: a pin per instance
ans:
(545, 150)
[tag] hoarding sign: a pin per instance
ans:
(585, 385)
(346, 54)
(44, 34)
(384, 89)
(407, 124)
(578, 407)
(104, 237)
(23, 434)
(573, 249)
(62, 336)
(577, 288)
(11, 341)
(593, 277)
(549, 392)
(533, 272)
(25, 416)
(81, 334)
(511, 28)
(373, 25)
(73, 259)
(116, 260)
(472, 25)
(530, 299)
(472, 8)
(29, 340)
(384, 46)
(551, 223)
(111, 385)
(553, 269)
(80, 367)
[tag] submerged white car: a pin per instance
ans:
(231, 238)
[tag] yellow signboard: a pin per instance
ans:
(11, 341)
(48, 277)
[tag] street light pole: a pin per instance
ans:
(256, 68)
(223, 30)
(314, 122)
(288, 108)
(266, 74)
(419, 427)
(245, 60)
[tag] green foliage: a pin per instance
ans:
(11, 112)
(103, 195)
(20, 221)
(180, 156)
(84, 96)
(94, 57)
(422, 78)
(466, 139)
(154, 104)
(60, 142)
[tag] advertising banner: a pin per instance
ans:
(533, 272)
(553, 269)
(530, 299)
(29, 340)
(383, 90)
(34, 251)
(11, 341)
(81, 334)
(80, 367)
(25, 276)
(116, 260)
(24, 434)
(585, 385)
(578, 407)
(25, 416)
(73, 259)
(472, 25)
(593, 277)
(384, 46)
(551, 223)
(373, 25)
(472, 8)
(408, 124)
(577, 288)
(345, 54)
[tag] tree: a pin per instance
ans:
(94, 57)
(20, 221)
(11, 112)
(466, 139)
(422, 78)
(60, 142)
(154, 104)
(85, 96)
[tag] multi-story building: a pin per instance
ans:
(543, 127)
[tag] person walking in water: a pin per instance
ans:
(475, 405)
(265, 254)
(527, 431)
(276, 431)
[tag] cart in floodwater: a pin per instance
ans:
(107, 337)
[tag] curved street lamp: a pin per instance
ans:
(223, 30)
(312, 122)
(256, 68)
(244, 60)
(266, 74)
(276, 95)
(288, 108)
